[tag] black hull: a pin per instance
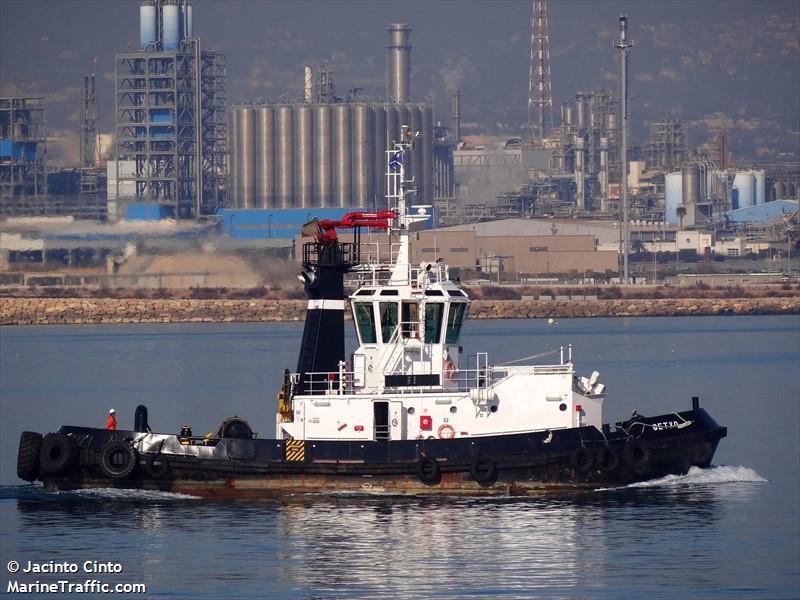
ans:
(519, 464)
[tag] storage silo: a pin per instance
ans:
(427, 153)
(265, 157)
(284, 149)
(760, 183)
(691, 184)
(342, 154)
(363, 155)
(171, 26)
(392, 127)
(186, 12)
(379, 157)
(743, 189)
(304, 156)
(245, 156)
(323, 156)
(147, 25)
(673, 184)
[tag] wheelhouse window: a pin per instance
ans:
(434, 311)
(388, 316)
(455, 319)
(365, 322)
(410, 319)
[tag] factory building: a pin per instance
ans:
(170, 113)
(514, 255)
(324, 151)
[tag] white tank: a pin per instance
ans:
(760, 187)
(673, 194)
(147, 25)
(744, 189)
(171, 26)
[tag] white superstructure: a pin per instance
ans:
(408, 378)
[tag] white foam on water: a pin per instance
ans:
(696, 476)
(126, 494)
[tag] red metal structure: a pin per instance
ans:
(326, 228)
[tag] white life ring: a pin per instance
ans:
(446, 432)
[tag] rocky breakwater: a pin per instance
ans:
(516, 309)
(70, 311)
(50, 311)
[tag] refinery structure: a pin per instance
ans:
(170, 114)
(253, 172)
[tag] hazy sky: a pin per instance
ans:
(708, 62)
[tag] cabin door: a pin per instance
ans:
(397, 421)
(381, 419)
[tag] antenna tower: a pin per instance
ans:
(540, 94)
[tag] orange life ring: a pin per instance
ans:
(446, 432)
(449, 369)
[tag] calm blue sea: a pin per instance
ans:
(731, 531)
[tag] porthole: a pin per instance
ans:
(493, 408)
(411, 410)
(453, 409)
(562, 407)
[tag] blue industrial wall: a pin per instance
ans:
(275, 223)
(148, 211)
(762, 212)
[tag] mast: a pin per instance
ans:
(396, 197)
(624, 47)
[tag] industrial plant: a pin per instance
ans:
(325, 150)
(250, 174)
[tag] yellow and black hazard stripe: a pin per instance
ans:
(295, 451)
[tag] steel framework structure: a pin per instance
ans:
(23, 149)
(540, 95)
(171, 127)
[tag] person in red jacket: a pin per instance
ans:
(111, 424)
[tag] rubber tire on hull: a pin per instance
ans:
(607, 460)
(30, 443)
(429, 471)
(57, 454)
(637, 455)
(582, 460)
(118, 459)
(484, 470)
(153, 471)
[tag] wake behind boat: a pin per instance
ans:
(405, 413)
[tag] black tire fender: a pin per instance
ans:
(637, 455)
(582, 460)
(607, 459)
(30, 444)
(118, 459)
(57, 454)
(484, 470)
(429, 471)
(156, 466)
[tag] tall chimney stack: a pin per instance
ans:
(399, 72)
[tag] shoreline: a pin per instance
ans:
(78, 311)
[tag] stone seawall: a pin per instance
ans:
(63, 311)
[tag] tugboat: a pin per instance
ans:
(403, 414)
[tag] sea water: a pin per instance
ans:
(730, 531)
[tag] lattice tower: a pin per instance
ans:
(540, 95)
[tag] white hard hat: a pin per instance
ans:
(111, 411)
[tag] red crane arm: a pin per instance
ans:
(374, 220)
